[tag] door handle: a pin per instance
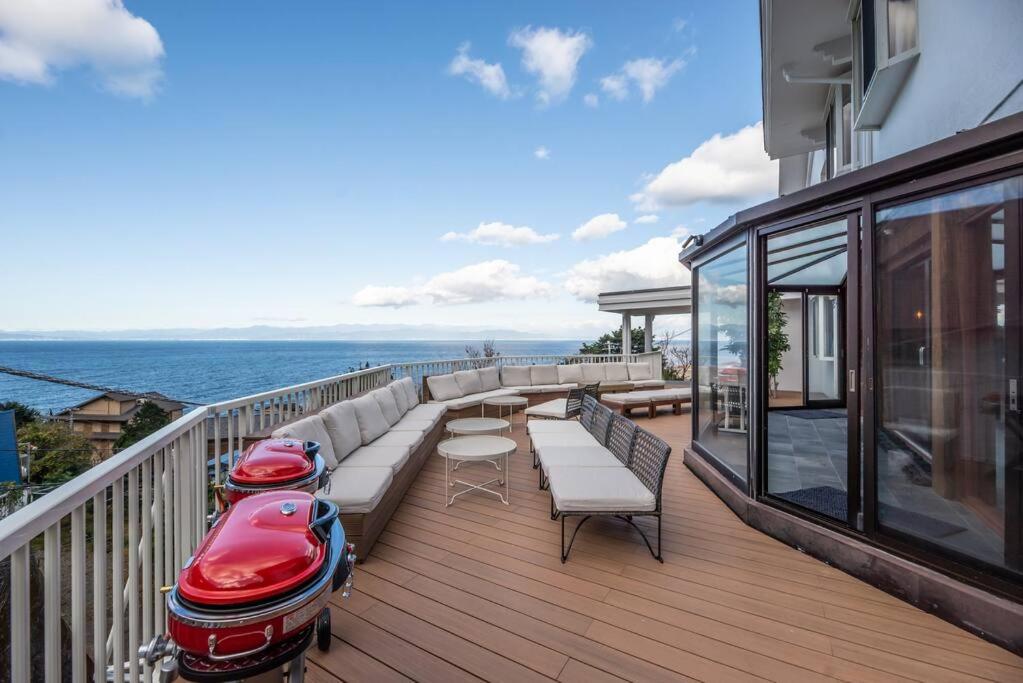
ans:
(1013, 395)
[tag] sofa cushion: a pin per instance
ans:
(614, 489)
(616, 372)
(468, 382)
(343, 428)
(543, 374)
(639, 371)
(593, 372)
(372, 423)
(548, 426)
(570, 374)
(310, 429)
(427, 411)
(378, 456)
(410, 391)
(546, 388)
(357, 489)
(515, 376)
(542, 440)
(490, 379)
(407, 424)
(578, 456)
(555, 409)
(443, 387)
(388, 406)
(648, 383)
(410, 440)
(400, 398)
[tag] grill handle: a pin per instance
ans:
(325, 514)
(311, 449)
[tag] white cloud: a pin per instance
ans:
(542, 152)
(648, 219)
(654, 264)
(476, 283)
(500, 234)
(648, 75)
(552, 56)
(679, 24)
(489, 76)
(681, 232)
(591, 100)
(373, 295)
(599, 226)
(725, 168)
(38, 37)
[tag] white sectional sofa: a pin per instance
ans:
(374, 445)
(463, 392)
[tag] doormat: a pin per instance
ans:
(811, 414)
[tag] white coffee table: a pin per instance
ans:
(512, 402)
(476, 426)
(476, 449)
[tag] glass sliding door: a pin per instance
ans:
(723, 360)
(947, 405)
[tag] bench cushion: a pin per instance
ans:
(570, 374)
(647, 383)
(468, 382)
(388, 406)
(343, 427)
(475, 399)
(377, 456)
(627, 398)
(410, 391)
(552, 409)
(372, 423)
(542, 440)
(515, 376)
(593, 372)
(579, 456)
(553, 426)
(443, 387)
(490, 379)
(310, 429)
(616, 372)
(605, 489)
(357, 489)
(410, 440)
(400, 397)
(543, 374)
(639, 371)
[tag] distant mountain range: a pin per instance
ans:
(347, 332)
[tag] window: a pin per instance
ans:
(838, 131)
(868, 44)
(902, 15)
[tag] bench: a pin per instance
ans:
(601, 465)
(626, 402)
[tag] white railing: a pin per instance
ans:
(98, 549)
(427, 368)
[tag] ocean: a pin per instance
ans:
(208, 371)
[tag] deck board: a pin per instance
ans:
(478, 591)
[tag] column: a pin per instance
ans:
(626, 333)
(648, 333)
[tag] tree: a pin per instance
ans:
(478, 356)
(23, 414)
(777, 337)
(600, 346)
(57, 453)
(149, 418)
(678, 363)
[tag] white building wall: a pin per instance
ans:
(971, 56)
(791, 376)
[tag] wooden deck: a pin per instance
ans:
(477, 591)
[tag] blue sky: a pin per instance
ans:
(234, 163)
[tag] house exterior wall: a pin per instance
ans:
(971, 57)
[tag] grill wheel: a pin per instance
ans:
(323, 636)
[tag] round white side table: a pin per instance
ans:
(476, 449)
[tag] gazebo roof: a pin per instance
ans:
(660, 301)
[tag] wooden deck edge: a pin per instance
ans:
(989, 616)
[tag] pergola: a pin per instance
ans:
(647, 303)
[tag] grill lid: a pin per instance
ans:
(261, 548)
(275, 461)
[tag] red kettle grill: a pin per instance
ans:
(275, 464)
(255, 592)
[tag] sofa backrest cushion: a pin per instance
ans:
(410, 391)
(310, 429)
(593, 372)
(400, 398)
(372, 423)
(388, 406)
(640, 371)
(515, 376)
(468, 382)
(568, 374)
(543, 374)
(443, 387)
(490, 379)
(343, 428)
(616, 372)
